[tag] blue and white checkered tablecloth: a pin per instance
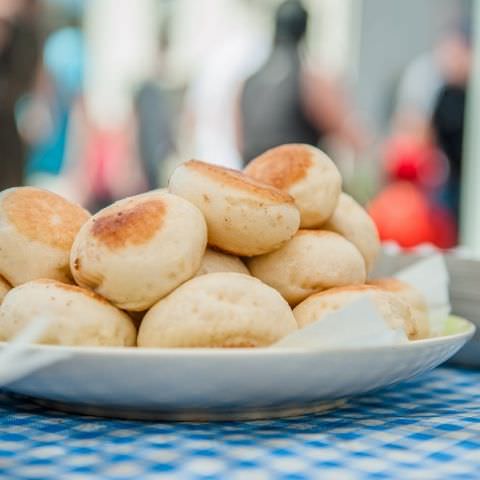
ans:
(427, 428)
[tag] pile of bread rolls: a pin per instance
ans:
(221, 259)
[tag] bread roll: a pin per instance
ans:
(139, 249)
(354, 223)
(312, 261)
(37, 229)
(214, 262)
(76, 316)
(395, 312)
(414, 299)
(218, 310)
(244, 217)
(304, 172)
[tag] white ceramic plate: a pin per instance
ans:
(215, 384)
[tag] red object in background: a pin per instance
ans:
(104, 157)
(404, 214)
(415, 160)
(112, 167)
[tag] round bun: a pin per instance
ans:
(312, 261)
(414, 299)
(76, 316)
(244, 217)
(4, 288)
(215, 262)
(395, 312)
(139, 249)
(222, 310)
(37, 229)
(306, 173)
(353, 222)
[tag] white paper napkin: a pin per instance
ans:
(430, 277)
(357, 325)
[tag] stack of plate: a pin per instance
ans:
(464, 273)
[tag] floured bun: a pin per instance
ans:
(306, 173)
(4, 288)
(354, 223)
(313, 260)
(413, 298)
(76, 316)
(139, 249)
(215, 262)
(222, 310)
(395, 312)
(37, 229)
(244, 217)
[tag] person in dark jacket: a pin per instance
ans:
(283, 102)
(155, 120)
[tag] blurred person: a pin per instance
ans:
(423, 153)
(407, 209)
(286, 102)
(45, 114)
(19, 53)
(431, 107)
(101, 163)
(448, 119)
(155, 122)
(210, 118)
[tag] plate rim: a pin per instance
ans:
(75, 351)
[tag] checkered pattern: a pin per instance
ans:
(428, 428)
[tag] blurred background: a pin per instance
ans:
(101, 99)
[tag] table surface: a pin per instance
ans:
(426, 428)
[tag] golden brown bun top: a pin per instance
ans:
(238, 180)
(129, 223)
(281, 166)
(43, 216)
